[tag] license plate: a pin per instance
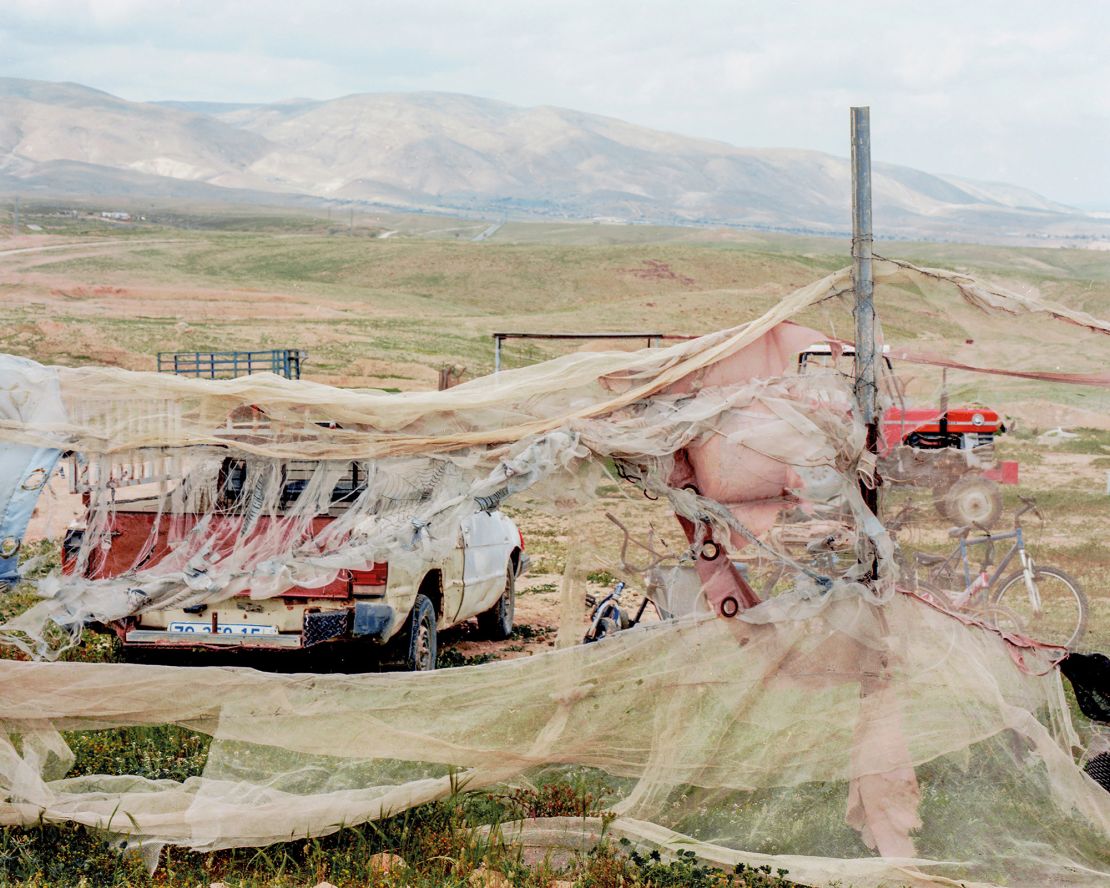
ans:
(200, 628)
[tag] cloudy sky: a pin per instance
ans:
(1011, 91)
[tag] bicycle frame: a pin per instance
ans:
(963, 552)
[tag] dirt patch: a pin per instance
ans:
(187, 303)
(1046, 415)
(537, 625)
(657, 270)
(375, 373)
(1065, 470)
(79, 343)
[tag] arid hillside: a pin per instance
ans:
(444, 151)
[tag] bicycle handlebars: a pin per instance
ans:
(959, 533)
(1030, 505)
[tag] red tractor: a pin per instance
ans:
(947, 449)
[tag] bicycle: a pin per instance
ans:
(1042, 603)
(607, 618)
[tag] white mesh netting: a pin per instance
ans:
(854, 731)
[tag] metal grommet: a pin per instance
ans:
(35, 479)
(9, 546)
(730, 607)
(710, 551)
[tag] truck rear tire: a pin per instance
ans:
(419, 647)
(497, 622)
(974, 500)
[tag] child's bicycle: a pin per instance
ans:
(1042, 603)
(608, 617)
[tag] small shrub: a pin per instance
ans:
(448, 657)
(615, 866)
(156, 752)
(553, 800)
(65, 855)
(526, 632)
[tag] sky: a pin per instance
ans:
(1011, 91)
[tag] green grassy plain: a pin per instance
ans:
(389, 311)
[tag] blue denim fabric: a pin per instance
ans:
(29, 394)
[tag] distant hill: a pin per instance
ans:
(441, 151)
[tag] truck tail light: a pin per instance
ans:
(71, 548)
(377, 575)
(520, 536)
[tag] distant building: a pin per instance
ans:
(116, 216)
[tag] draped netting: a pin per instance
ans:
(846, 728)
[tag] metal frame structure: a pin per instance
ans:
(652, 340)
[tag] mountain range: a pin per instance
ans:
(446, 152)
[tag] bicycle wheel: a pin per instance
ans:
(1062, 618)
(937, 581)
(606, 628)
(1001, 618)
(940, 595)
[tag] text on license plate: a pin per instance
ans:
(223, 628)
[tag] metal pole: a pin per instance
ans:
(866, 388)
(496, 355)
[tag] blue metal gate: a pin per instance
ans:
(230, 364)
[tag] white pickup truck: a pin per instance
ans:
(403, 602)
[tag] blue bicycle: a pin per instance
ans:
(1042, 603)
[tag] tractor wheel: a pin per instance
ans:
(974, 500)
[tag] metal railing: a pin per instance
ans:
(230, 364)
(651, 340)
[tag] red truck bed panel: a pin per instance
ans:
(131, 530)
